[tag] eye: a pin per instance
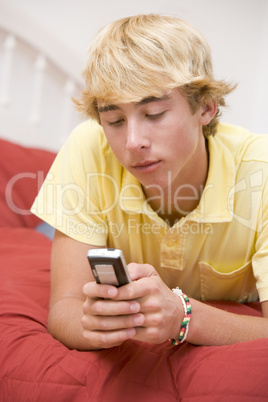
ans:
(155, 116)
(115, 123)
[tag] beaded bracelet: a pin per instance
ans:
(185, 322)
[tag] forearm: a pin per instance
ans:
(64, 323)
(211, 326)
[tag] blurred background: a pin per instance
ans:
(237, 31)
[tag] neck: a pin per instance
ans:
(183, 193)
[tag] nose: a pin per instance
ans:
(137, 138)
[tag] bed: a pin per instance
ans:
(33, 365)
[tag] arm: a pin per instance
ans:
(211, 326)
(69, 272)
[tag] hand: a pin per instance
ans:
(162, 309)
(107, 320)
(146, 310)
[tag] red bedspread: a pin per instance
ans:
(36, 367)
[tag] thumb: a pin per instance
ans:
(138, 271)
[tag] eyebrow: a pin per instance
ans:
(144, 101)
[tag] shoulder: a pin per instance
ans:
(244, 145)
(87, 146)
(88, 135)
(88, 152)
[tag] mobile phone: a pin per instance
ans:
(108, 266)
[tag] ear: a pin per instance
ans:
(208, 111)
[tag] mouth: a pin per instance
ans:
(147, 166)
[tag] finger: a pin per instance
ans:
(95, 290)
(149, 335)
(109, 307)
(138, 271)
(106, 339)
(110, 323)
(142, 288)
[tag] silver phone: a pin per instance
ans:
(108, 266)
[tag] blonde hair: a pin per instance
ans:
(149, 55)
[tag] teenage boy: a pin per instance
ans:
(154, 174)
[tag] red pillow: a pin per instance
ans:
(22, 171)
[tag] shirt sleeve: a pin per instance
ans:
(70, 199)
(260, 257)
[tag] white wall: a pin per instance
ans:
(236, 29)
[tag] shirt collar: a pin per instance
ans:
(217, 200)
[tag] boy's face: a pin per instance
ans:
(157, 140)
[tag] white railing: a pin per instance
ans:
(35, 91)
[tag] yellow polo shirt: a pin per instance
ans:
(217, 252)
